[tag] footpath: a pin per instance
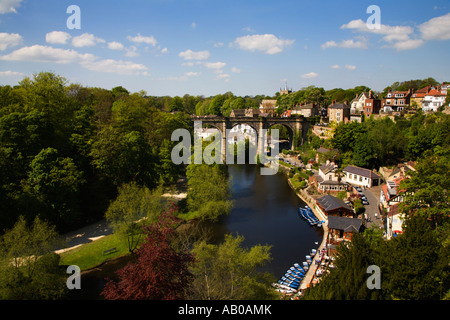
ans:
(85, 235)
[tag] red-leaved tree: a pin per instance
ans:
(160, 272)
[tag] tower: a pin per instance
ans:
(285, 90)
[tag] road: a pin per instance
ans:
(373, 197)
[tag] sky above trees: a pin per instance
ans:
(209, 47)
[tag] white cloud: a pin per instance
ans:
(193, 25)
(235, 70)
(9, 40)
(310, 75)
(399, 37)
(38, 53)
(192, 74)
(218, 44)
(131, 52)
(115, 66)
(248, 29)
(407, 44)
(216, 66)
(8, 6)
(436, 29)
(142, 39)
(86, 40)
(11, 74)
(224, 76)
(359, 44)
(57, 37)
(390, 32)
(267, 43)
(184, 77)
(114, 45)
(347, 66)
(194, 55)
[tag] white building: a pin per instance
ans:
(433, 100)
(361, 177)
(394, 222)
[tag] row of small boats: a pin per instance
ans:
(307, 214)
(291, 280)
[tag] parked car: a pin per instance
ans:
(365, 202)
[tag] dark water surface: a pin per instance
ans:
(264, 212)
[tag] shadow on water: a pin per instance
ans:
(264, 212)
(93, 280)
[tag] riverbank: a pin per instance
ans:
(264, 211)
(310, 201)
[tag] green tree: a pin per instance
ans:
(167, 170)
(363, 155)
(56, 181)
(215, 107)
(426, 192)
(229, 271)
(119, 92)
(411, 268)
(124, 158)
(347, 281)
(134, 207)
(208, 191)
(28, 268)
(176, 104)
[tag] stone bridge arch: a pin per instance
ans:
(297, 127)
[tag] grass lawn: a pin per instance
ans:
(91, 254)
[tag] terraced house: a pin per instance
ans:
(397, 100)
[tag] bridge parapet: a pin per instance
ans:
(298, 127)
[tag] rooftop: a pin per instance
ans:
(362, 172)
(345, 224)
(331, 203)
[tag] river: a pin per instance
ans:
(264, 212)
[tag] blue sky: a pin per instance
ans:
(207, 47)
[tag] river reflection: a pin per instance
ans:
(265, 212)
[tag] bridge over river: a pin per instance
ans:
(297, 127)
